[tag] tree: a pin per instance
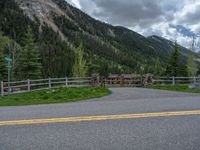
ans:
(191, 64)
(79, 68)
(29, 61)
(183, 71)
(157, 67)
(174, 62)
(3, 44)
(9, 48)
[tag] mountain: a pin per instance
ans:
(59, 28)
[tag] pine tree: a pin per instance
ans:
(174, 62)
(29, 60)
(79, 68)
(191, 65)
(157, 68)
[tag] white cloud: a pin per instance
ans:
(75, 3)
(189, 15)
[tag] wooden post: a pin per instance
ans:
(92, 81)
(122, 81)
(50, 83)
(2, 89)
(66, 81)
(29, 85)
(173, 81)
(194, 80)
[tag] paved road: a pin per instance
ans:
(162, 133)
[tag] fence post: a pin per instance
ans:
(194, 80)
(50, 83)
(29, 85)
(66, 81)
(173, 81)
(2, 89)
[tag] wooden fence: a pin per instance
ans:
(176, 80)
(111, 81)
(122, 81)
(31, 85)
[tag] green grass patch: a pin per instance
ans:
(177, 88)
(60, 95)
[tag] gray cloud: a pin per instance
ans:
(191, 16)
(147, 16)
(128, 12)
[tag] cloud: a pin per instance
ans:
(127, 12)
(172, 19)
(75, 3)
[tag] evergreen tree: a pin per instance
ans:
(174, 62)
(183, 71)
(79, 68)
(29, 60)
(191, 64)
(157, 68)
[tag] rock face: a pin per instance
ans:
(43, 11)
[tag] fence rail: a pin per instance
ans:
(32, 85)
(176, 80)
(123, 82)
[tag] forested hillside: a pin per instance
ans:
(55, 29)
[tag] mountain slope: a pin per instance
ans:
(60, 27)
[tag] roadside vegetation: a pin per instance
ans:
(177, 88)
(60, 95)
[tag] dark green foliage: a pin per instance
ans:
(4, 43)
(79, 68)
(175, 68)
(158, 70)
(174, 62)
(29, 60)
(183, 70)
(57, 55)
(9, 48)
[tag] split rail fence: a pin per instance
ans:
(8, 88)
(176, 80)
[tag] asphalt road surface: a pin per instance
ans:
(129, 119)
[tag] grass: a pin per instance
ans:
(61, 95)
(177, 88)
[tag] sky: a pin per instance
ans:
(172, 19)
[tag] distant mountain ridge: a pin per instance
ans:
(108, 49)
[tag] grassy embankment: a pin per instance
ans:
(61, 95)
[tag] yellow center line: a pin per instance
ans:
(98, 118)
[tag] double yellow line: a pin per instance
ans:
(98, 118)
